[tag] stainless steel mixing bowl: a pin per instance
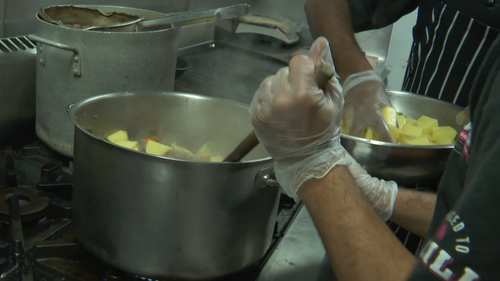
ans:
(407, 164)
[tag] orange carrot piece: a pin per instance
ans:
(156, 139)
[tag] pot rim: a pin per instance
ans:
(73, 108)
(37, 15)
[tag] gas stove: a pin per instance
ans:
(37, 241)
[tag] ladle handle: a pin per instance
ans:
(195, 17)
(323, 72)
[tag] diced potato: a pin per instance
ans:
(182, 153)
(120, 135)
(127, 144)
(443, 141)
(427, 124)
(401, 121)
(395, 132)
(217, 158)
(412, 131)
(204, 151)
(410, 121)
(369, 134)
(418, 141)
(390, 115)
(343, 128)
(443, 132)
(156, 148)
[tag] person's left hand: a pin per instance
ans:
(299, 123)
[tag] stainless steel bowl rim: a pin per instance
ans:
(390, 144)
(73, 108)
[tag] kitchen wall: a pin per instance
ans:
(399, 50)
(17, 17)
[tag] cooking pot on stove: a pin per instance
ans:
(165, 218)
(74, 64)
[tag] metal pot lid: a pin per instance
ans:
(85, 18)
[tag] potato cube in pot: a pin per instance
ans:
(412, 131)
(217, 158)
(401, 121)
(443, 132)
(369, 134)
(156, 148)
(418, 141)
(410, 121)
(395, 132)
(390, 115)
(127, 144)
(120, 135)
(203, 152)
(427, 124)
(443, 141)
(182, 153)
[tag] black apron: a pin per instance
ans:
(449, 47)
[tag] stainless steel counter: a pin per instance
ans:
(300, 255)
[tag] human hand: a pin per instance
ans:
(365, 97)
(298, 122)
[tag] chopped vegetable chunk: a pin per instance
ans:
(156, 139)
(412, 131)
(217, 158)
(390, 115)
(369, 134)
(127, 144)
(157, 148)
(204, 151)
(120, 135)
(427, 124)
(395, 132)
(418, 141)
(410, 121)
(443, 132)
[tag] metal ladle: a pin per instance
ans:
(94, 19)
(323, 72)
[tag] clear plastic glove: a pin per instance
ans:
(299, 123)
(365, 97)
(381, 194)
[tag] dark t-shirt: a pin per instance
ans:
(463, 242)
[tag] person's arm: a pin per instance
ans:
(332, 19)
(359, 244)
(414, 210)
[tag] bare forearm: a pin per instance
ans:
(359, 244)
(332, 19)
(414, 210)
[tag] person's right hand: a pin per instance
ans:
(365, 96)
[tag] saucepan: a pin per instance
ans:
(160, 217)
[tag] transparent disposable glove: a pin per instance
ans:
(365, 97)
(381, 194)
(299, 123)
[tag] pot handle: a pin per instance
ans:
(77, 56)
(265, 181)
(69, 107)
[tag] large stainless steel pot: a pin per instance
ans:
(407, 164)
(167, 218)
(74, 64)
